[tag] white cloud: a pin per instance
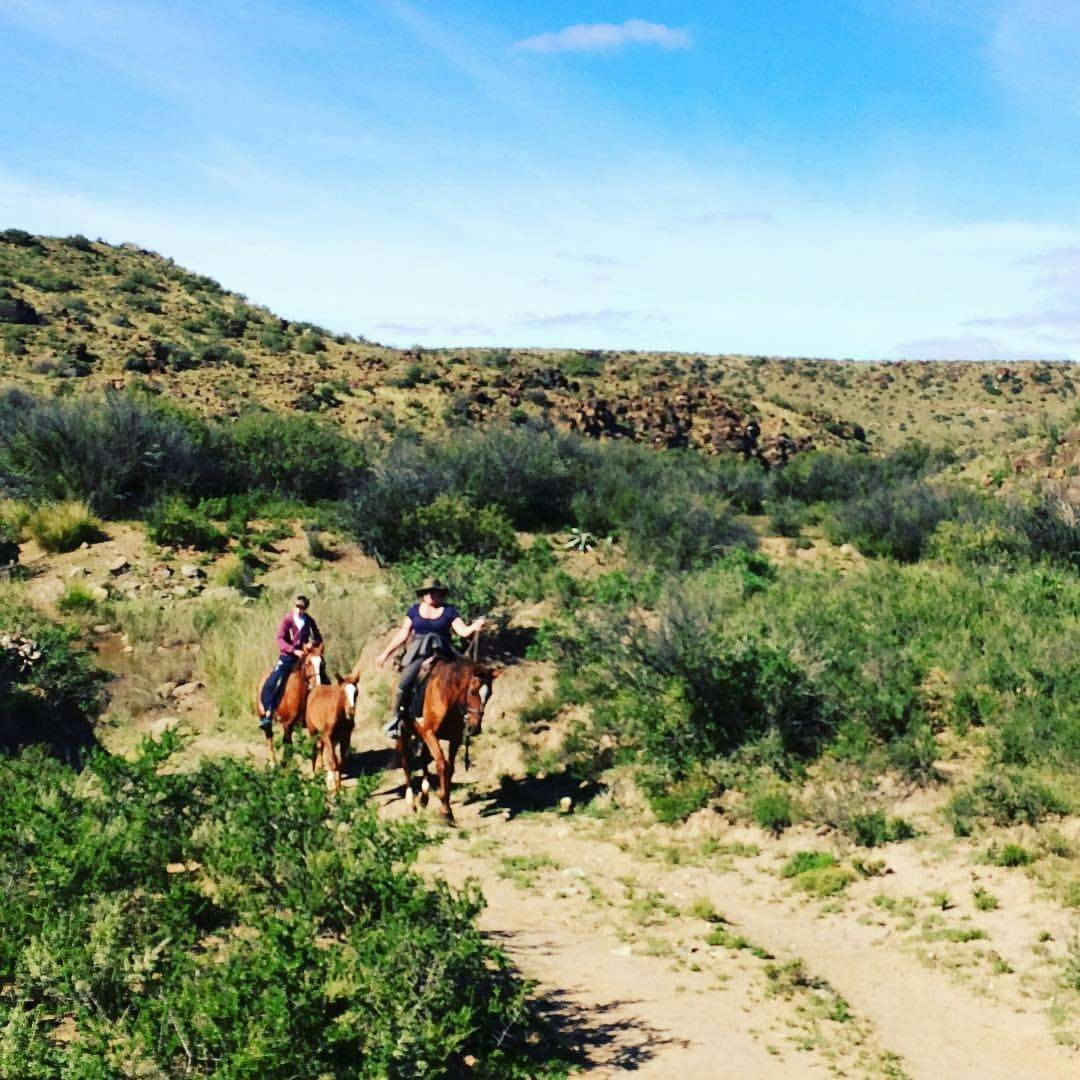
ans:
(606, 37)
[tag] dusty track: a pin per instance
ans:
(607, 913)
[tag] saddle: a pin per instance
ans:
(419, 688)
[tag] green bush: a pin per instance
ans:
(297, 456)
(773, 810)
(117, 452)
(76, 599)
(449, 526)
(172, 522)
(50, 691)
(874, 829)
(224, 921)
(1005, 798)
(1009, 855)
(897, 520)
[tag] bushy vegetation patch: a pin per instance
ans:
(171, 521)
(51, 692)
(1004, 798)
(671, 510)
(116, 453)
(744, 662)
(226, 922)
(299, 457)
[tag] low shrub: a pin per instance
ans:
(151, 915)
(50, 691)
(1009, 854)
(64, 526)
(1005, 798)
(773, 809)
(173, 522)
(117, 453)
(874, 829)
(76, 599)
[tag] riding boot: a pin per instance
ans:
(400, 715)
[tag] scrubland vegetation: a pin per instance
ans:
(793, 635)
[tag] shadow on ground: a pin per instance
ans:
(589, 1037)
(531, 793)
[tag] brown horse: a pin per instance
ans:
(329, 718)
(454, 701)
(306, 674)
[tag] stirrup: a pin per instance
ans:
(266, 721)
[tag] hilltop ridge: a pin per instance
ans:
(78, 315)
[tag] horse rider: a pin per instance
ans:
(297, 630)
(425, 632)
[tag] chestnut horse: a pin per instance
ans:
(454, 700)
(306, 674)
(329, 718)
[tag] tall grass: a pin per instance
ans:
(237, 644)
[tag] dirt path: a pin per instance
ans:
(684, 952)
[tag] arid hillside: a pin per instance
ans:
(78, 316)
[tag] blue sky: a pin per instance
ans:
(846, 178)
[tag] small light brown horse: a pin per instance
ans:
(305, 675)
(329, 718)
(454, 700)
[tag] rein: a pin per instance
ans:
(474, 651)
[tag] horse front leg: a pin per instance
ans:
(406, 768)
(270, 744)
(445, 771)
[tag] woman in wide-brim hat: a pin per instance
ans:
(426, 630)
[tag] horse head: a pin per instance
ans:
(348, 688)
(311, 660)
(477, 694)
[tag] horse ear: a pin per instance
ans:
(340, 678)
(496, 672)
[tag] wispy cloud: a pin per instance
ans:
(607, 37)
(607, 317)
(1058, 317)
(965, 347)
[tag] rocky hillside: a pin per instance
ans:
(79, 315)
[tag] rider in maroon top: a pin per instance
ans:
(297, 629)
(426, 630)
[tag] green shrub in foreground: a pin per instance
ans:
(224, 922)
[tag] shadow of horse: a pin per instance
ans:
(531, 793)
(369, 763)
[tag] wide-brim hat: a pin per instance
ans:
(433, 585)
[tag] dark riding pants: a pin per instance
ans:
(275, 683)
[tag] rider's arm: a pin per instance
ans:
(399, 639)
(466, 631)
(284, 643)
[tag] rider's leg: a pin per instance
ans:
(401, 701)
(271, 693)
